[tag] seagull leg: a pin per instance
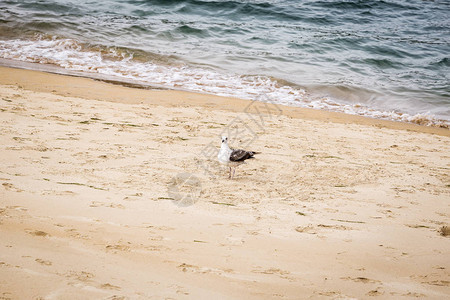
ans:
(234, 170)
(230, 174)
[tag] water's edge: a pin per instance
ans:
(51, 69)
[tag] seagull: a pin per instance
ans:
(233, 157)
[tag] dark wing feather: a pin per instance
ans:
(240, 155)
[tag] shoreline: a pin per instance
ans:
(92, 179)
(69, 85)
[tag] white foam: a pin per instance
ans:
(72, 55)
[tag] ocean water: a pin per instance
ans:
(381, 59)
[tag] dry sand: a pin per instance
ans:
(334, 207)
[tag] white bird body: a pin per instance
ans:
(224, 154)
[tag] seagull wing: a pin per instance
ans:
(240, 155)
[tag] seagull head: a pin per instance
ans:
(224, 140)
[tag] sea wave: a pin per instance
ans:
(155, 69)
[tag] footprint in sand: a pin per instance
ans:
(3, 264)
(118, 247)
(80, 276)
(375, 292)
(6, 295)
(275, 271)
(196, 269)
(306, 229)
(271, 271)
(9, 186)
(163, 228)
(37, 233)
(43, 262)
(115, 297)
(156, 248)
(329, 294)
(178, 289)
(389, 213)
(72, 232)
(103, 204)
(434, 278)
(108, 286)
(361, 279)
(186, 267)
(315, 229)
(439, 282)
(411, 294)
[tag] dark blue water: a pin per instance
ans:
(385, 59)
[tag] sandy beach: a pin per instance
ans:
(111, 192)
